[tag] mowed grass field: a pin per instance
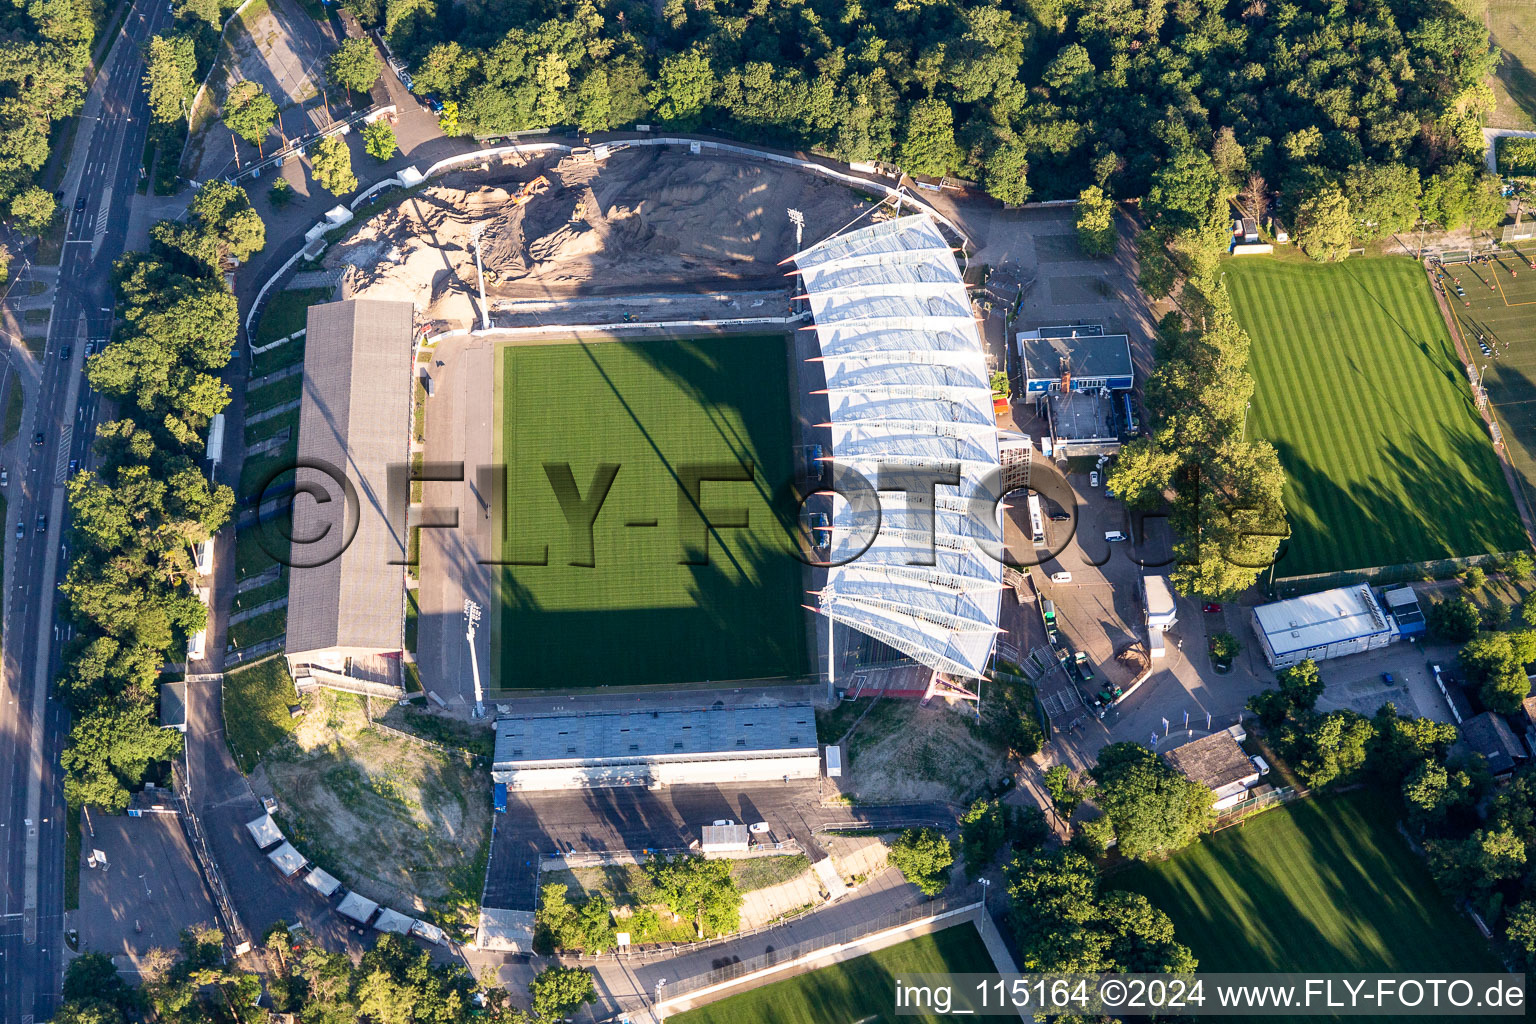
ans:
(1504, 315)
(1359, 389)
(1512, 24)
(1318, 885)
(858, 991)
(665, 598)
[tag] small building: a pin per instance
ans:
(173, 706)
(1161, 610)
(288, 860)
(666, 746)
(1245, 230)
(428, 931)
(1075, 372)
(346, 607)
(1403, 605)
(358, 908)
(264, 831)
(724, 839)
(1219, 763)
(1329, 624)
(1489, 735)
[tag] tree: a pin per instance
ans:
(1066, 788)
(331, 164)
(209, 11)
(223, 212)
(1155, 810)
(1095, 222)
(448, 120)
(1431, 790)
(983, 829)
(1519, 567)
(250, 113)
(110, 749)
(559, 991)
(1402, 743)
(1064, 922)
(1324, 224)
(32, 209)
(1255, 194)
(685, 85)
(1224, 647)
(1384, 198)
(1456, 620)
(379, 140)
(924, 856)
(1520, 930)
(1475, 578)
(697, 888)
(1495, 663)
(355, 65)
(1330, 748)
(169, 66)
(928, 144)
(1006, 175)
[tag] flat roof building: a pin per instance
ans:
(1319, 626)
(1219, 763)
(173, 705)
(1403, 606)
(1074, 358)
(1489, 735)
(1161, 611)
(346, 607)
(758, 742)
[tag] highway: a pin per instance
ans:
(103, 170)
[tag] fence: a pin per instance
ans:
(1407, 572)
(853, 933)
(1243, 809)
(234, 931)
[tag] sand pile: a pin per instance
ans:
(645, 220)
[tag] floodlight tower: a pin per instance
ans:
(485, 310)
(471, 621)
(798, 220)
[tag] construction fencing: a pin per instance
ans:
(1407, 572)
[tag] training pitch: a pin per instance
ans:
(682, 427)
(1318, 885)
(1498, 306)
(1359, 389)
(858, 991)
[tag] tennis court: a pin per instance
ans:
(688, 572)
(1497, 308)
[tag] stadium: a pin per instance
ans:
(624, 414)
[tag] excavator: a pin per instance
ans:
(533, 187)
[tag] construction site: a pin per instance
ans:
(568, 240)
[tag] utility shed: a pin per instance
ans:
(346, 607)
(756, 742)
(1489, 735)
(724, 839)
(1329, 624)
(265, 831)
(1162, 613)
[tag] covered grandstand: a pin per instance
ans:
(908, 390)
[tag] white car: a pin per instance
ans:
(1093, 479)
(1061, 577)
(723, 821)
(759, 828)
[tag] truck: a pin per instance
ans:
(1084, 672)
(499, 798)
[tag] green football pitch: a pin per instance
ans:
(1318, 885)
(1498, 305)
(858, 991)
(690, 575)
(1359, 389)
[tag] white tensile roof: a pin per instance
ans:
(391, 920)
(287, 859)
(907, 385)
(265, 831)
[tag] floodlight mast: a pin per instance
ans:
(472, 620)
(797, 218)
(485, 310)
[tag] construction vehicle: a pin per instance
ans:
(1083, 671)
(534, 187)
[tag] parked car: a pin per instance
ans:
(5, 476)
(723, 821)
(1386, 677)
(821, 529)
(1093, 479)
(1060, 517)
(759, 828)
(1260, 764)
(1211, 607)
(1061, 577)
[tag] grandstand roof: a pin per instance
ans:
(354, 417)
(907, 386)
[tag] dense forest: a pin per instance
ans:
(1030, 97)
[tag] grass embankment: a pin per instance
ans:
(256, 716)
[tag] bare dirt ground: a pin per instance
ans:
(398, 821)
(902, 752)
(644, 220)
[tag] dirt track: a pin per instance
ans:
(646, 218)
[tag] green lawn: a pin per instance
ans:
(270, 396)
(858, 991)
(1320, 885)
(256, 701)
(1512, 24)
(1358, 388)
(659, 602)
(14, 405)
(286, 312)
(276, 358)
(259, 628)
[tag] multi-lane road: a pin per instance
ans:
(102, 173)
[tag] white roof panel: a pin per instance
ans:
(265, 831)
(393, 921)
(287, 859)
(322, 881)
(1317, 620)
(907, 385)
(358, 908)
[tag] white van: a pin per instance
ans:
(1114, 536)
(1261, 764)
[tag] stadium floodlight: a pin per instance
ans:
(485, 310)
(798, 220)
(471, 621)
